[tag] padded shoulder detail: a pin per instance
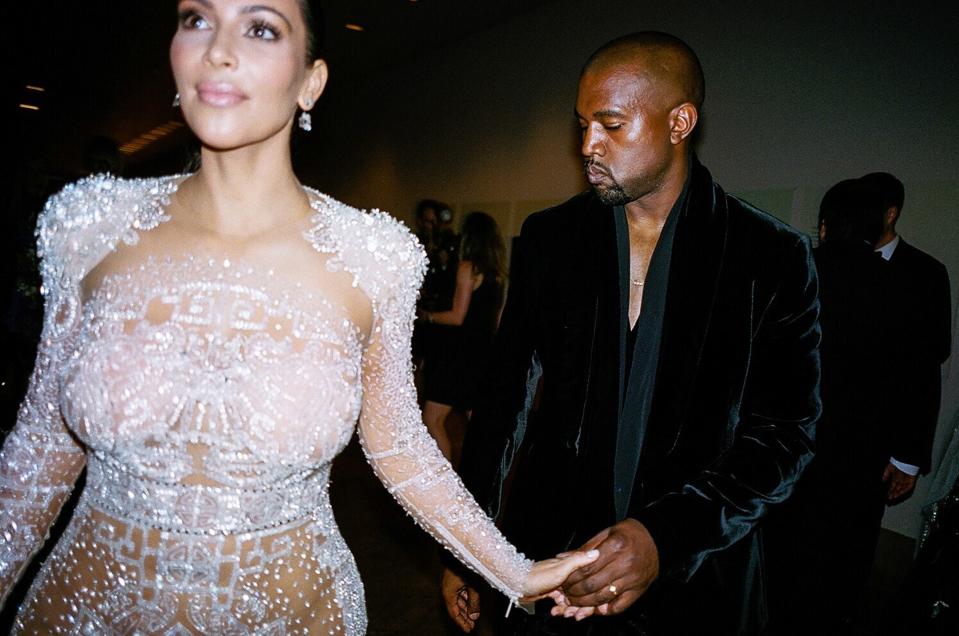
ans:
(386, 260)
(87, 219)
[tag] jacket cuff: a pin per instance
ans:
(666, 538)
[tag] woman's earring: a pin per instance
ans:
(306, 121)
(176, 100)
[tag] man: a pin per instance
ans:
(674, 332)
(886, 331)
(919, 295)
(819, 547)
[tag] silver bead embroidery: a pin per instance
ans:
(208, 399)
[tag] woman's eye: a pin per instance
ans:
(263, 31)
(193, 20)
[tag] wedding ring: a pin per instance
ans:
(612, 590)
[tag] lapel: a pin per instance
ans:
(622, 283)
(598, 295)
(699, 250)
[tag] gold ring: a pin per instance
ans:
(612, 589)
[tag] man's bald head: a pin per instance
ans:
(666, 61)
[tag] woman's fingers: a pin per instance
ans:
(548, 575)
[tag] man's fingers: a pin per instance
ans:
(900, 487)
(597, 538)
(623, 601)
(603, 588)
(606, 556)
(589, 583)
(466, 611)
(888, 472)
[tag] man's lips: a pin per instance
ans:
(220, 94)
(596, 175)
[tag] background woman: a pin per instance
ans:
(461, 353)
(210, 342)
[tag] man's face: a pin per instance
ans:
(626, 132)
(428, 220)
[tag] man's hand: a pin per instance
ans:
(901, 485)
(628, 564)
(462, 601)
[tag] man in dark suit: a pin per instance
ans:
(673, 332)
(819, 546)
(919, 296)
(885, 324)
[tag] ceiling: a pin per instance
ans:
(104, 70)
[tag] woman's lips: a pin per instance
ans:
(219, 94)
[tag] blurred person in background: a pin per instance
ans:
(465, 331)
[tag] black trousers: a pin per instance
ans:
(819, 548)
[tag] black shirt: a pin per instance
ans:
(639, 349)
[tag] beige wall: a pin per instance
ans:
(797, 99)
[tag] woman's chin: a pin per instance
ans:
(223, 136)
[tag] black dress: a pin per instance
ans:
(461, 354)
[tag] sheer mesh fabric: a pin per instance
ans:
(208, 389)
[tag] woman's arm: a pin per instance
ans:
(40, 461)
(408, 462)
(465, 282)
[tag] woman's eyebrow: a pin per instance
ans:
(256, 8)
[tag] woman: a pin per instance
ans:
(210, 341)
(461, 356)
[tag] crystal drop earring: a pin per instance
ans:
(306, 120)
(176, 100)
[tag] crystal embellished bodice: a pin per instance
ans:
(207, 395)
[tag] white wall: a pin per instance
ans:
(797, 99)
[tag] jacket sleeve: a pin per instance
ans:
(926, 339)
(499, 421)
(773, 440)
(408, 461)
(40, 461)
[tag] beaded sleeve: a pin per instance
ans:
(389, 265)
(40, 461)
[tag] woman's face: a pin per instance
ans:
(240, 71)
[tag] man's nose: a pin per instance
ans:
(592, 143)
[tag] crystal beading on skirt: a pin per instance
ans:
(199, 509)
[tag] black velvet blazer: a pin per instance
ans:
(735, 401)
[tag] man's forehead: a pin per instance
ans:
(619, 86)
(640, 78)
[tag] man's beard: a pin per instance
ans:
(612, 194)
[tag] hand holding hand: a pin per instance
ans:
(628, 564)
(462, 601)
(901, 485)
(547, 575)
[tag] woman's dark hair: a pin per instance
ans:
(483, 246)
(312, 12)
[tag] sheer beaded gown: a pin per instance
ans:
(207, 391)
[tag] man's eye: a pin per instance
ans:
(612, 126)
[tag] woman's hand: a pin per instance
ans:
(548, 575)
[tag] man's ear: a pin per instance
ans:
(682, 121)
(314, 85)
